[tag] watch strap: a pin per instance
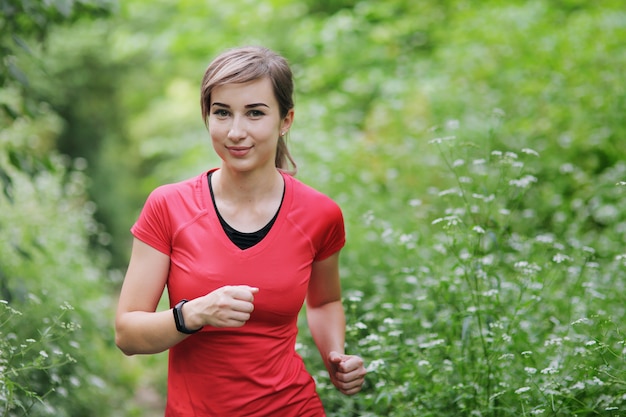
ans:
(179, 320)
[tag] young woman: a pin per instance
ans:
(240, 248)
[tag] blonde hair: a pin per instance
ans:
(246, 64)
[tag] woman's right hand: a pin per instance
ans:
(228, 306)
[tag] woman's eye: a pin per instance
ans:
(255, 113)
(221, 113)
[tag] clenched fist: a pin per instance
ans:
(228, 306)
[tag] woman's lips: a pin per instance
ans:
(238, 151)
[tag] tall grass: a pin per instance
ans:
(478, 309)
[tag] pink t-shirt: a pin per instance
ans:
(253, 370)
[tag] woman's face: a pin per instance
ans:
(245, 123)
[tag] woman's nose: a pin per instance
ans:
(237, 130)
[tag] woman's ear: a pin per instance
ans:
(287, 121)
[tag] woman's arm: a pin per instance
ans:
(138, 327)
(327, 322)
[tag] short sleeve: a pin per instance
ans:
(154, 225)
(334, 237)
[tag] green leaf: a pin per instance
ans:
(17, 73)
(65, 7)
(7, 185)
(22, 44)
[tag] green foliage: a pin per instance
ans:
(25, 362)
(488, 315)
(475, 148)
(23, 22)
(46, 260)
(53, 362)
(496, 289)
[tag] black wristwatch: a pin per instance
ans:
(180, 321)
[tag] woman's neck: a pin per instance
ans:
(247, 187)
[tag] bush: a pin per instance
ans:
(54, 362)
(483, 312)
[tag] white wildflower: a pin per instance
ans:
(66, 306)
(441, 140)
(453, 124)
(458, 163)
(479, 230)
(595, 381)
(588, 249)
(545, 238)
(451, 220)
(530, 371)
(449, 191)
(527, 268)
(371, 338)
(522, 390)
(560, 258)
(529, 151)
(407, 239)
(375, 365)
(487, 260)
(432, 343)
(523, 182)
(411, 279)
(554, 341)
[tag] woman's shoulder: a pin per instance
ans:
(178, 189)
(184, 196)
(308, 196)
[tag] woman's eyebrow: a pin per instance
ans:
(247, 106)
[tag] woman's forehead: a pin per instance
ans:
(256, 91)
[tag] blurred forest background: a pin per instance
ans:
(477, 148)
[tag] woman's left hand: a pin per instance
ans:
(347, 372)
